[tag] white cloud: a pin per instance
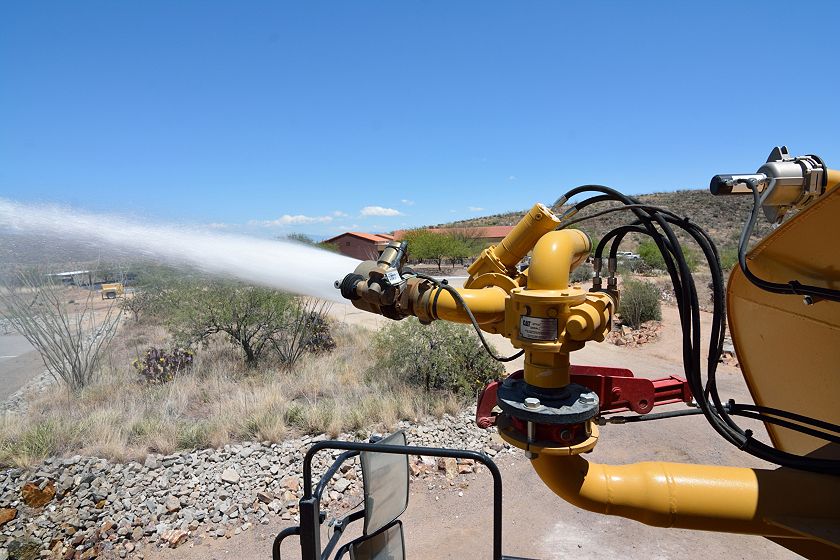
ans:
(217, 225)
(512, 177)
(475, 208)
(339, 214)
(407, 202)
(380, 211)
(289, 220)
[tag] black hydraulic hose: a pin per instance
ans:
(767, 410)
(443, 285)
(685, 291)
(789, 425)
(791, 287)
(716, 413)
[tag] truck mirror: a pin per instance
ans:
(385, 478)
(387, 544)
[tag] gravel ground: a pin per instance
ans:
(84, 507)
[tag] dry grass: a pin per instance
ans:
(220, 401)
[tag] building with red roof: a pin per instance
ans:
(362, 246)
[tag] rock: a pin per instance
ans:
(151, 462)
(465, 469)
(265, 497)
(6, 515)
(24, 548)
(172, 504)
(292, 483)
(230, 476)
(450, 465)
(341, 485)
(36, 497)
(174, 537)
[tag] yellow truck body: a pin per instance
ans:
(113, 290)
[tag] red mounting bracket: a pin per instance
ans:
(618, 390)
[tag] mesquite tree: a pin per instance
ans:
(70, 335)
(257, 320)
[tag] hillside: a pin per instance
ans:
(722, 217)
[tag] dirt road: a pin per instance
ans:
(19, 363)
(537, 524)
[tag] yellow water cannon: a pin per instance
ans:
(555, 419)
(538, 310)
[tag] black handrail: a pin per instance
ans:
(412, 450)
(278, 540)
(322, 484)
(338, 531)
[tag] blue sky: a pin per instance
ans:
(319, 117)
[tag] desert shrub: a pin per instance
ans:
(307, 329)
(159, 366)
(639, 303)
(636, 266)
(138, 303)
(318, 336)
(581, 274)
(193, 435)
(728, 258)
(34, 443)
(649, 253)
(439, 356)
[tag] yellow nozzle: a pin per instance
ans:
(502, 258)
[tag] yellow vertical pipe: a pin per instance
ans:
(554, 256)
(549, 370)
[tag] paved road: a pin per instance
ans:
(19, 363)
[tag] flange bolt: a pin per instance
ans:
(588, 398)
(532, 403)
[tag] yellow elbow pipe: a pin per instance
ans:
(702, 497)
(486, 304)
(554, 255)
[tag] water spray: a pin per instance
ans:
(283, 265)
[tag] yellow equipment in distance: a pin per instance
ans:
(112, 290)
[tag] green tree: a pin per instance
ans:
(257, 320)
(300, 238)
(424, 244)
(649, 253)
(304, 239)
